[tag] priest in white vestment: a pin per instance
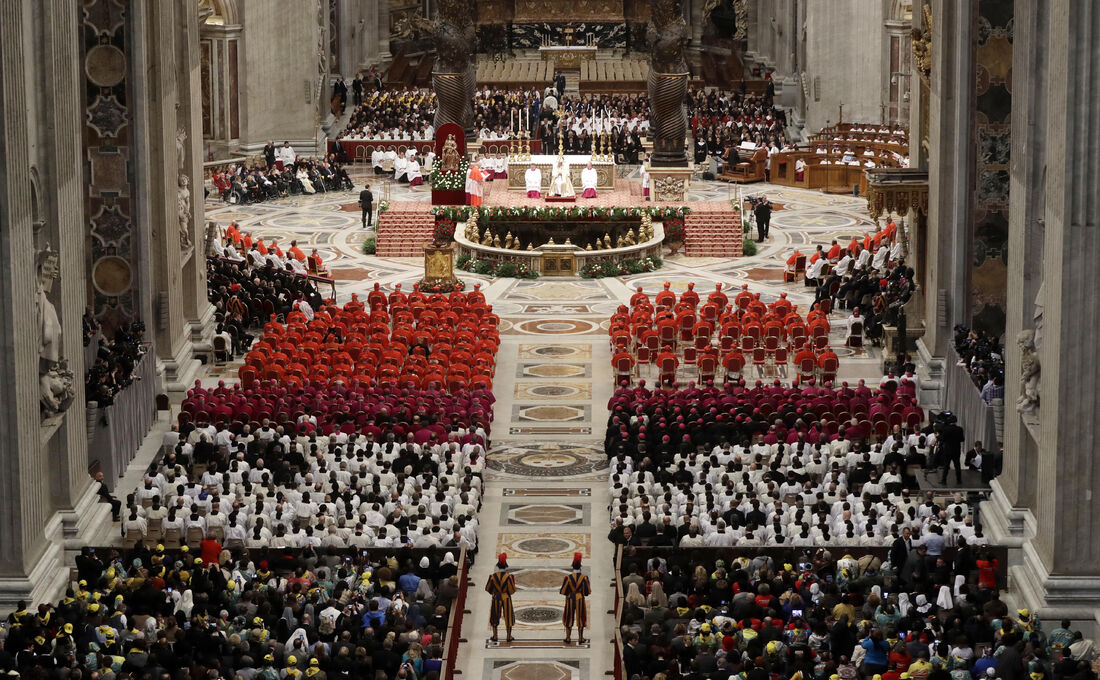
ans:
(588, 181)
(532, 179)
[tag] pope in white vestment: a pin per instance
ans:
(588, 182)
(532, 179)
(561, 184)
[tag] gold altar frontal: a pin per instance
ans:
(439, 264)
(605, 172)
(568, 57)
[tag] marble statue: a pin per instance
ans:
(56, 385)
(1030, 373)
(184, 208)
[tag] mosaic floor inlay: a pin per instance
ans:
(516, 514)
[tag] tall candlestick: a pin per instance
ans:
(512, 120)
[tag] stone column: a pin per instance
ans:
(951, 152)
(368, 33)
(155, 37)
(197, 310)
(60, 143)
(1011, 517)
(383, 30)
(29, 562)
(1061, 570)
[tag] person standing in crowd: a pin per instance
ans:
(763, 211)
(575, 587)
(951, 439)
(366, 202)
(269, 154)
(501, 587)
(340, 93)
(357, 89)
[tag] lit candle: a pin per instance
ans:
(512, 120)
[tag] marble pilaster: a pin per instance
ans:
(950, 153)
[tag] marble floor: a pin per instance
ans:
(545, 494)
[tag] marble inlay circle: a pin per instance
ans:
(553, 390)
(556, 326)
(105, 65)
(540, 579)
(543, 545)
(539, 614)
(555, 351)
(111, 275)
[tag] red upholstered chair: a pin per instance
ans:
(708, 366)
(779, 359)
(648, 346)
(729, 336)
(759, 358)
(855, 337)
(666, 332)
(733, 363)
(685, 322)
(829, 366)
(666, 367)
(624, 368)
(748, 343)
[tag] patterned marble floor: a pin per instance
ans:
(545, 480)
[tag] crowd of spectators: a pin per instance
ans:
(263, 487)
(407, 115)
(214, 613)
(115, 360)
(722, 121)
(983, 357)
(269, 179)
(809, 614)
(245, 297)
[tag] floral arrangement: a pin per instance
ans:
(598, 270)
(370, 246)
(450, 181)
(444, 231)
(674, 230)
(383, 206)
(495, 269)
(441, 286)
(492, 212)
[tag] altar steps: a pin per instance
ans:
(404, 233)
(712, 233)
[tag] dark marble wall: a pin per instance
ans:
(108, 146)
(992, 125)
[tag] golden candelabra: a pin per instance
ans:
(526, 145)
(511, 145)
(606, 144)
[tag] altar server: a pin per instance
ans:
(532, 179)
(588, 181)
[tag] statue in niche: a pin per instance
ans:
(1030, 373)
(184, 211)
(55, 381)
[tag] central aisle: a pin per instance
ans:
(545, 487)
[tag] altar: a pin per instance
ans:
(605, 171)
(568, 57)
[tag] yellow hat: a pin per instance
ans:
(68, 628)
(93, 607)
(198, 560)
(705, 628)
(1024, 613)
(258, 621)
(185, 549)
(110, 572)
(291, 660)
(110, 632)
(314, 662)
(231, 585)
(83, 583)
(269, 657)
(771, 650)
(877, 677)
(160, 547)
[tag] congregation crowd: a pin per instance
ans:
(322, 614)
(281, 173)
(115, 359)
(983, 357)
(811, 614)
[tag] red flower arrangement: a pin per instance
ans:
(441, 286)
(674, 230)
(444, 231)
